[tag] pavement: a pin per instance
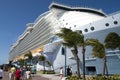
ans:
(36, 77)
(52, 76)
(39, 77)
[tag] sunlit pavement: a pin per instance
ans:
(36, 77)
(5, 76)
(52, 76)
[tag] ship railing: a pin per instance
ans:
(114, 13)
(113, 53)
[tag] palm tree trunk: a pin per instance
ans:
(53, 67)
(83, 53)
(106, 70)
(44, 66)
(78, 69)
(75, 53)
(105, 66)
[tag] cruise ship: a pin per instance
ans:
(39, 37)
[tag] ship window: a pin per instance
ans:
(66, 23)
(63, 20)
(86, 30)
(92, 28)
(107, 24)
(74, 25)
(115, 22)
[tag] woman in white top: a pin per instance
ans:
(28, 74)
(61, 73)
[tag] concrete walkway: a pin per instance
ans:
(51, 76)
(36, 77)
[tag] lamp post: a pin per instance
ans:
(64, 53)
(65, 61)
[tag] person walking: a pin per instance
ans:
(68, 71)
(9, 72)
(33, 71)
(23, 70)
(61, 73)
(28, 74)
(13, 69)
(18, 74)
(1, 73)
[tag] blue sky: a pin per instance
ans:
(15, 14)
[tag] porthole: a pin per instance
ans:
(74, 25)
(63, 20)
(66, 23)
(115, 22)
(92, 28)
(86, 30)
(107, 24)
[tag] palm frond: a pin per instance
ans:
(92, 42)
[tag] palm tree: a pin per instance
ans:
(48, 62)
(83, 45)
(75, 39)
(29, 56)
(98, 51)
(112, 41)
(72, 39)
(22, 62)
(43, 59)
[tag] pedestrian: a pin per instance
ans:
(28, 74)
(1, 73)
(23, 70)
(18, 74)
(61, 73)
(9, 72)
(68, 71)
(33, 71)
(13, 69)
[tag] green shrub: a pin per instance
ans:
(112, 77)
(74, 77)
(47, 72)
